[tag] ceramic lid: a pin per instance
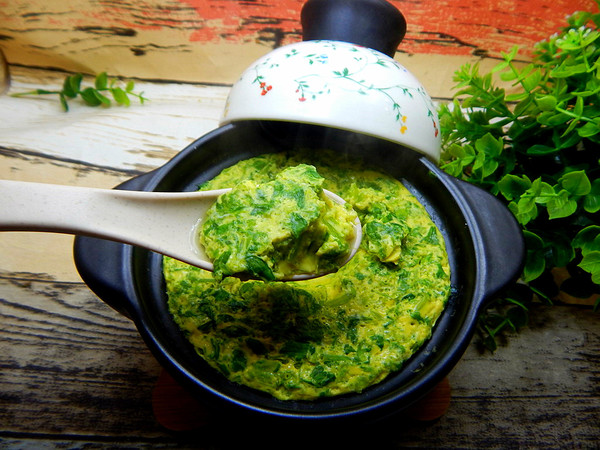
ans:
(339, 84)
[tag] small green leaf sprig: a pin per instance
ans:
(100, 94)
(538, 150)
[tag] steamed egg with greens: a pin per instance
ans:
(332, 335)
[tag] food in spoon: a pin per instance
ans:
(328, 336)
(278, 229)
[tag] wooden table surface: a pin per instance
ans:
(76, 374)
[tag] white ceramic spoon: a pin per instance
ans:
(164, 222)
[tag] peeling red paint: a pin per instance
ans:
(237, 21)
(453, 27)
(434, 26)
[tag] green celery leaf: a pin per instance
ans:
(465, 153)
(535, 262)
(532, 80)
(527, 205)
(561, 205)
(518, 97)
(525, 211)
(103, 98)
(70, 87)
(591, 263)
(576, 183)
(489, 167)
(588, 239)
(540, 149)
(559, 251)
(74, 82)
(572, 125)
(546, 102)
(89, 97)
(101, 81)
(544, 193)
(567, 70)
(578, 110)
(513, 186)
(589, 129)
(552, 119)
(120, 96)
(591, 203)
(489, 145)
(454, 168)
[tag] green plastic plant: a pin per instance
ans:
(538, 150)
(98, 95)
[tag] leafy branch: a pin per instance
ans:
(537, 150)
(100, 94)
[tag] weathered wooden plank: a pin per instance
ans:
(212, 40)
(541, 390)
(70, 364)
(46, 255)
(73, 370)
(135, 138)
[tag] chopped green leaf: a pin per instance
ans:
(256, 266)
(321, 377)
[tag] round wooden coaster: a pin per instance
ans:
(174, 408)
(433, 406)
(177, 410)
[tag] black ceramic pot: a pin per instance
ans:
(484, 243)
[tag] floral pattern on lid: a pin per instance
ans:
(341, 85)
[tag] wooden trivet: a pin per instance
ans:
(177, 410)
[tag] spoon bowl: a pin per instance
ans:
(164, 222)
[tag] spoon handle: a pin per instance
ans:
(47, 207)
(162, 222)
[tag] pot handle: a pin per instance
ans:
(497, 237)
(375, 24)
(100, 262)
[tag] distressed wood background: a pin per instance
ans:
(76, 374)
(212, 41)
